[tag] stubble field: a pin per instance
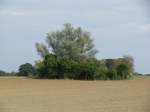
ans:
(33, 95)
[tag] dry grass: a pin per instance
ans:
(31, 95)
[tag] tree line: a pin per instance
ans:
(70, 54)
(3, 73)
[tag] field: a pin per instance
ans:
(33, 95)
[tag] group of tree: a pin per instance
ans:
(70, 53)
(54, 67)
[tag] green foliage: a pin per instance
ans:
(121, 68)
(84, 71)
(59, 68)
(73, 57)
(129, 61)
(110, 64)
(112, 75)
(26, 69)
(2, 73)
(54, 67)
(122, 71)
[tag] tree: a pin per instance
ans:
(26, 69)
(127, 62)
(72, 43)
(123, 71)
(130, 62)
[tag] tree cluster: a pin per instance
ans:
(54, 67)
(70, 53)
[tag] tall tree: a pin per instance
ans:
(70, 42)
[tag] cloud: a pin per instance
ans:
(11, 13)
(29, 12)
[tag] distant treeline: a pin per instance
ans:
(3, 73)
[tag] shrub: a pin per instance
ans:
(122, 71)
(60, 68)
(101, 71)
(84, 71)
(54, 67)
(26, 69)
(112, 75)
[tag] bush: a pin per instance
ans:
(54, 67)
(119, 69)
(59, 68)
(122, 71)
(112, 75)
(100, 71)
(26, 69)
(84, 71)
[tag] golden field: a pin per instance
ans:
(33, 95)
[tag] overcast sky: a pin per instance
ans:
(119, 27)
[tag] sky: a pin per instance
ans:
(118, 27)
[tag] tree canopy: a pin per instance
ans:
(70, 42)
(26, 69)
(70, 53)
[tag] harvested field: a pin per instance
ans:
(33, 95)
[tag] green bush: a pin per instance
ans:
(26, 69)
(59, 68)
(112, 75)
(54, 67)
(122, 71)
(84, 71)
